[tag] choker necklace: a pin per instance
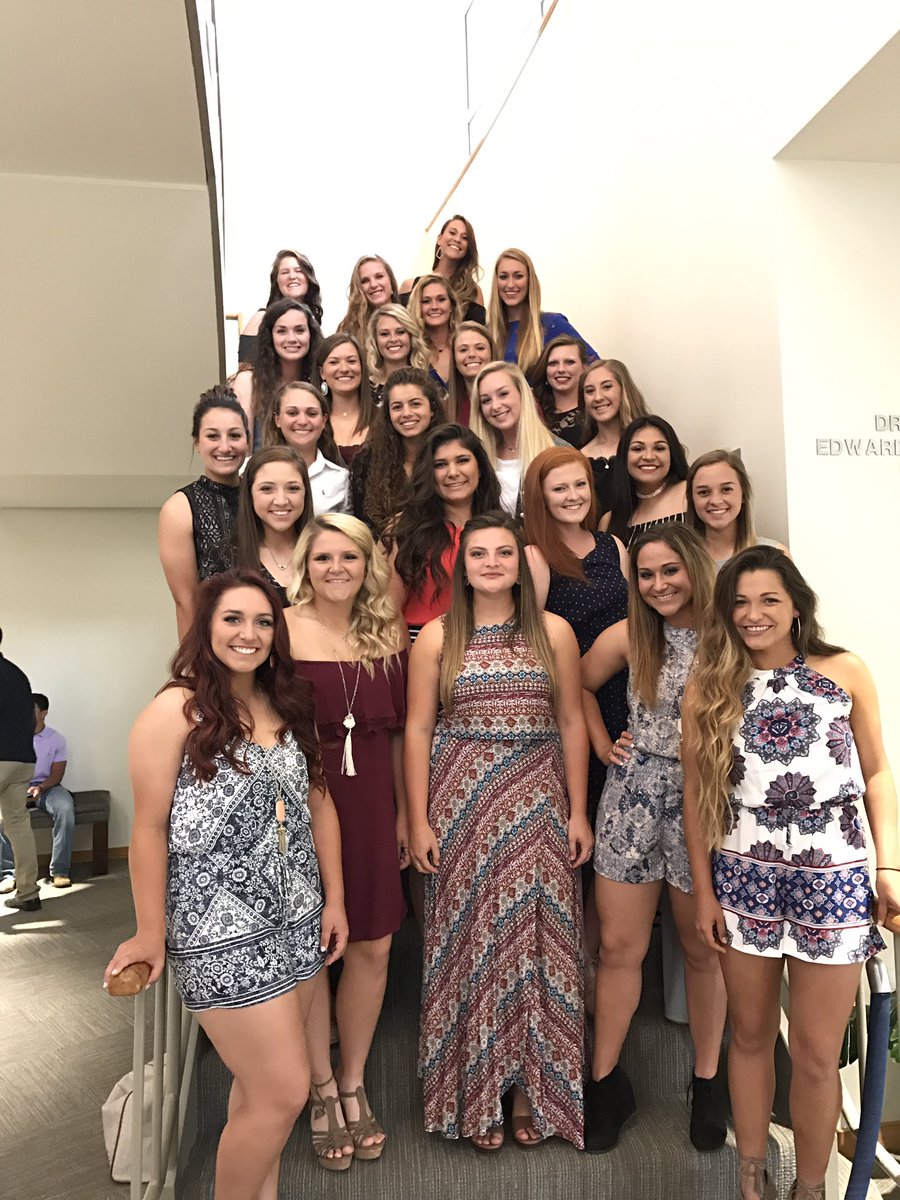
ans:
(652, 495)
(280, 566)
(348, 767)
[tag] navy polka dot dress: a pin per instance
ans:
(590, 606)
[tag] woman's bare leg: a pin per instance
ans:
(318, 1039)
(704, 985)
(360, 996)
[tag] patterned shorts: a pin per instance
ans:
(795, 882)
(639, 834)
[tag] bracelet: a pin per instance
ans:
(888, 869)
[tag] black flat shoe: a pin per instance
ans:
(609, 1105)
(31, 905)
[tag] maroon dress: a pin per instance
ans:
(373, 894)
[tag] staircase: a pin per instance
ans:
(654, 1159)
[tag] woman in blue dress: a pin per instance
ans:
(236, 863)
(782, 744)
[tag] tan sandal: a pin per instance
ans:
(366, 1126)
(335, 1137)
(802, 1191)
(755, 1170)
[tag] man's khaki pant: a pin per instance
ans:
(15, 778)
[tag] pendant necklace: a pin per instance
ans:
(347, 765)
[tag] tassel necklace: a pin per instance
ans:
(348, 767)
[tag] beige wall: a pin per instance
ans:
(86, 615)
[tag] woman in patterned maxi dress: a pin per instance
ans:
(236, 863)
(782, 741)
(498, 827)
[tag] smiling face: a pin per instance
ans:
(221, 443)
(408, 409)
(602, 395)
(491, 558)
(436, 305)
(567, 494)
(336, 567)
(649, 460)
(763, 614)
(290, 336)
(456, 474)
(290, 279)
(501, 404)
(716, 493)
(393, 342)
(664, 583)
(454, 241)
(342, 370)
(471, 352)
(242, 630)
(564, 367)
(278, 495)
(374, 282)
(301, 419)
(512, 280)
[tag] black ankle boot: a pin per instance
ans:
(707, 1113)
(608, 1105)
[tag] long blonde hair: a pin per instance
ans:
(415, 305)
(459, 623)
(722, 669)
(646, 635)
(530, 340)
(374, 620)
(418, 351)
(532, 436)
(356, 318)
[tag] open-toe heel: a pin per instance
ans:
(366, 1126)
(327, 1142)
(755, 1170)
(802, 1191)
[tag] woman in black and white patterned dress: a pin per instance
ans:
(235, 862)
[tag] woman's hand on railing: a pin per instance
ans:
(140, 949)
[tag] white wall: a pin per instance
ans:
(86, 615)
(839, 281)
(634, 164)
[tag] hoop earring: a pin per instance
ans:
(796, 635)
(438, 253)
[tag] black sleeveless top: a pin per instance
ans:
(590, 606)
(214, 512)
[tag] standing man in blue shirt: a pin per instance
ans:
(47, 793)
(17, 759)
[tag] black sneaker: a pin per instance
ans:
(609, 1104)
(31, 905)
(707, 1113)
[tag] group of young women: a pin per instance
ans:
(607, 667)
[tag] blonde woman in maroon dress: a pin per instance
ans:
(349, 640)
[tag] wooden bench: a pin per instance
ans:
(91, 808)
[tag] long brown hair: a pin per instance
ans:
(273, 436)
(646, 635)
(366, 403)
(458, 399)
(313, 297)
(464, 279)
(249, 532)
(722, 668)
(218, 721)
(459, 623)
(540, 384)
(540, 527)
(744, 533)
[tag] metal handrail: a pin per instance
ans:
(174, 1051)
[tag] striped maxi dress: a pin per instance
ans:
(502, 998)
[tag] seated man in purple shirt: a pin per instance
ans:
(46, 793)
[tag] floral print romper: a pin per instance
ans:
(792, 874)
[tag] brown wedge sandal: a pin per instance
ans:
(802, 1191)
(754, 1169)
(335, 1137)
(366, 1126)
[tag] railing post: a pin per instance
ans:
(137, 1095)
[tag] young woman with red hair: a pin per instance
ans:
(236, 862)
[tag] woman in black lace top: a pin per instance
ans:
(196, 525)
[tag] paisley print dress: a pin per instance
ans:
(792, 875)
(243, 919)
(502, 999)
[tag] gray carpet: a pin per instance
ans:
(654, 1157)
(63, 1042)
